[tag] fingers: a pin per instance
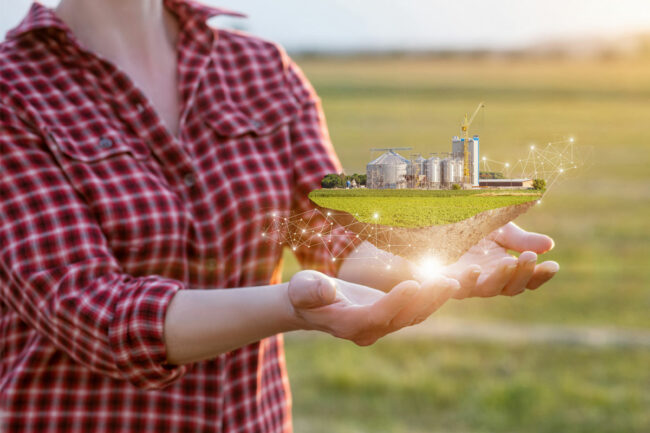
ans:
(522, 275)
(492, 284)
(543, 272)
(385, 309)
(467, 280)
(432, 294)
(311, 289)
(513, 237)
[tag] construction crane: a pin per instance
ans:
(464, 134)
(391, 148)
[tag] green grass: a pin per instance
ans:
(417, 208)
(424, 386)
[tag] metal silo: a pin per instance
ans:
(416, 171)
(388, 171)
(432, 171)
(459, 170)
(448, 171)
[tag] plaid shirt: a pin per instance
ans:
(104, 216)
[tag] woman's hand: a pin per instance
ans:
(488, 270)
(359, 313)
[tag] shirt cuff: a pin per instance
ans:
(136, 334)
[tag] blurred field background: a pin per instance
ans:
(596, 90)
(600, 220)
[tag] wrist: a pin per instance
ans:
(290, 318)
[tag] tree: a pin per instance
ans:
(539, 184)
(455, 186)
(331, 180)
(490, 175)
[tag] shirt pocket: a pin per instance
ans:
(259, 115)
(80, 145)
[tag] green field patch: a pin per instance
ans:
(417, 208)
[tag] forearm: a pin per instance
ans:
(372, 267)
(202, 324)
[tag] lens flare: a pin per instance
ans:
(428, 267)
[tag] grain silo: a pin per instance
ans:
(448, 171)
(388, 171)
(432, 172)
(417, 173)
(459, 170)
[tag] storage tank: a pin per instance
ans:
(388, 171)
(459, 171)
(448, 167)
(432, 172)
(419, 166)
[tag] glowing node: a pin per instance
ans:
(485, 252)
(507, 164)
(303, 230)
(294, 248)
(571, 139)
(333, 259)
(539, 202)
(387, 266)
(329, 213)
(319, 235)
(375, 215)
(532, 147)
(263, 234)
(561, 170)
(274, 214)
(484, 158)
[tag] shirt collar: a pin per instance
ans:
(40, 16)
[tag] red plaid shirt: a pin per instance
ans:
(104, 215)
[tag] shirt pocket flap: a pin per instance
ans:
(259, 115)
(89, 147)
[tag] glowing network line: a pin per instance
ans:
(315, 228)
(551, 162)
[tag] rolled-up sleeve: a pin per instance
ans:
(59, 275)
(313, 158)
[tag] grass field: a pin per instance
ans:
(422, 387)
(417, 208)
(600, 220)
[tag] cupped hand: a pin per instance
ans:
(487, 269)
(362, 314)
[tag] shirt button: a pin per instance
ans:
(189, 179)
(105, 143)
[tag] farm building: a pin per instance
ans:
(505, 183)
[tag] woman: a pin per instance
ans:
(141, 154)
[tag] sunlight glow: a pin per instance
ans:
(428, 267)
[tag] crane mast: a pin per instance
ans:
(464, 133)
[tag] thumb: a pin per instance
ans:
(311, 289)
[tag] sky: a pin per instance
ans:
(340, 25)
